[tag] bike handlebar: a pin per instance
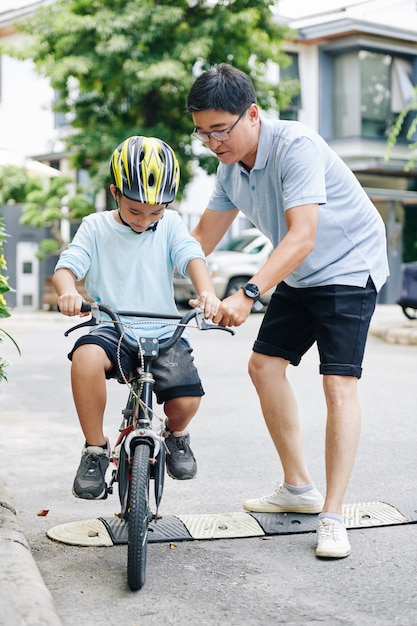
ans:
(115, 316)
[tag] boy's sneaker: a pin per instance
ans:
(181, 463)
(283, 501)
(90, 481)
(332, 539)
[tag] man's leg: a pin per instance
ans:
(279, 408)
(342, 436)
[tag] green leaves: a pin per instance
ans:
(4, 310)
(124, 67)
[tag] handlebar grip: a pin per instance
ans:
(85, 307)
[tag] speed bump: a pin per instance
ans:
(112, 531)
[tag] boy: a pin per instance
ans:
(127, 257)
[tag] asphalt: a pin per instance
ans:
(24, 598)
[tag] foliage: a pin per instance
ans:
(123, 67)
(45, 203)
(407, 117)
(48, 206)
(16, 184)
(397, 127)
(4, 311)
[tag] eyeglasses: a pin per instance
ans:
(218, 135)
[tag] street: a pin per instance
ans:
(228, 582)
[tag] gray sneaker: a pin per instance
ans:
(181, 463)
(283, 501)
(90, 483)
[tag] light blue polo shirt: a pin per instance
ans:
(294, 166)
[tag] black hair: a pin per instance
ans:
(223, 88)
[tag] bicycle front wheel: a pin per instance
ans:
(138, 517)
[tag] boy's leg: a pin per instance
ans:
(178, 387)
(88, 378)
(180, 461)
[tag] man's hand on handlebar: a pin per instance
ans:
(234, 310)
(208, 302)
(70, 304)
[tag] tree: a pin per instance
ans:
(4, 310)
(46, 202)
(407, 119)
(123, 67)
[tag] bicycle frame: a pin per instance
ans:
(139, 452)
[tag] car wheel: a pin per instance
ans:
(235, 284)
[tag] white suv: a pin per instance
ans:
(231, 266)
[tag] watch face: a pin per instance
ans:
(252, 290)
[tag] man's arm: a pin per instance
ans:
(287, 256)
(212, 227)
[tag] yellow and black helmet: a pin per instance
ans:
(145, 169)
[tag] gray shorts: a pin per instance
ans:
(174, 371)
(337, 317)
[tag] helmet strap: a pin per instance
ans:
(151, 227)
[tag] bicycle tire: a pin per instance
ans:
(138, 517)
(410, 312)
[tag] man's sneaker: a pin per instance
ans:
(332, 539)
(181, 463)
(283, 501)
(90, 481)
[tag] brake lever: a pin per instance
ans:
(208, 326)
(93, 321)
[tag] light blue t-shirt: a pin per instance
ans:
(131, 271)
(294, 166)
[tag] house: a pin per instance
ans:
(357, 65)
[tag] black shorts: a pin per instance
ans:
(174, 371)
(337, 317)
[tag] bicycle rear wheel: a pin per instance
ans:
(138, 518)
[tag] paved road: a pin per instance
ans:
(266, 581)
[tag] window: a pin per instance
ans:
(291, 75)
(27, 299)
(27, 267)
(369, 90)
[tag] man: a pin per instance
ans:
(329, 262)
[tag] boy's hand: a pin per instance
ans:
(70, 304)
(208, 302)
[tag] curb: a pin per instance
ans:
(24, 598)
(405, 334)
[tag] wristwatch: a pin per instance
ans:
(252, 291)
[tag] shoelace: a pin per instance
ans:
(329, 530)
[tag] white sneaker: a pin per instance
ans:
(332, 539)
(283, 501)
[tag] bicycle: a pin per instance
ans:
(139, 452)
